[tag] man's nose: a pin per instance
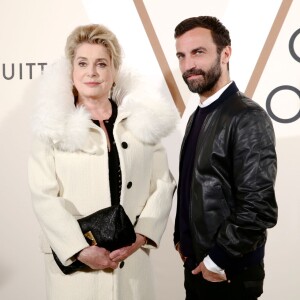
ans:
(188, 64)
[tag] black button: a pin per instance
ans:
(136, 220)
(129, 184)
(122, 264)
(124, 145)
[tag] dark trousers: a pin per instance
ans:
(246, 285)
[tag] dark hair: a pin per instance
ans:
(219, 32)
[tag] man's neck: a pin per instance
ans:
(218, 86)
(215, 96)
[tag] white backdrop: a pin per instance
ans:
(33, 35)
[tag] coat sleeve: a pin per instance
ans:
(254, 172)
(59, 227)
(154, 217)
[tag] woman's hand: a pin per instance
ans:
(97, 258)
(122, 253)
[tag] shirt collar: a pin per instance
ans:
(214, 97)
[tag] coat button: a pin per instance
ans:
(129, 184)
(122, 264)
(124, 145)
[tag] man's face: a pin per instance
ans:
(199, 61)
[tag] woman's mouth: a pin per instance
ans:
(92, 83)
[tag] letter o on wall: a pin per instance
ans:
(291, 45)
(269, 99)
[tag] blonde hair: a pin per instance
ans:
(94, 34)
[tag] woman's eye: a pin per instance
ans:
(82, 64)
(102, 65)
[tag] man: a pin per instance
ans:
(226, 198)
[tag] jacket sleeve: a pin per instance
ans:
(58, 225)
(154, 217)
(254, 172)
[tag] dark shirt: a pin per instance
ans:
(115, 178)
(186, 170)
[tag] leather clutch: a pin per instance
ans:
(109, 228)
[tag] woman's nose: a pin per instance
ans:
(92, 71)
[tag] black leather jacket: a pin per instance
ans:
(232, 189)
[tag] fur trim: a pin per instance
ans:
(149, 116)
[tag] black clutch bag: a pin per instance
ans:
(109, 228)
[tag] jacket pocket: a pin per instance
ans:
(215, 202)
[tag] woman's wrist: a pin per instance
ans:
(145, 242)
(144, 239)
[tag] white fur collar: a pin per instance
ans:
(149, 116)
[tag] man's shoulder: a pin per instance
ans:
(239, 103)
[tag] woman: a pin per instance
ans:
(96, 142)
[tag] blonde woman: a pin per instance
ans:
(97, 133)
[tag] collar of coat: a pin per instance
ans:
(142, 109)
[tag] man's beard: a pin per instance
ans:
(207, 82)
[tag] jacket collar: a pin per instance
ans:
(143, 110)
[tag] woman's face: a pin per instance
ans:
(93, 72)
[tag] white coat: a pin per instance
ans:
(68, 179)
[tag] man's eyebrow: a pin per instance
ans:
(198, 48)
(192, 51)
(179, 54)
